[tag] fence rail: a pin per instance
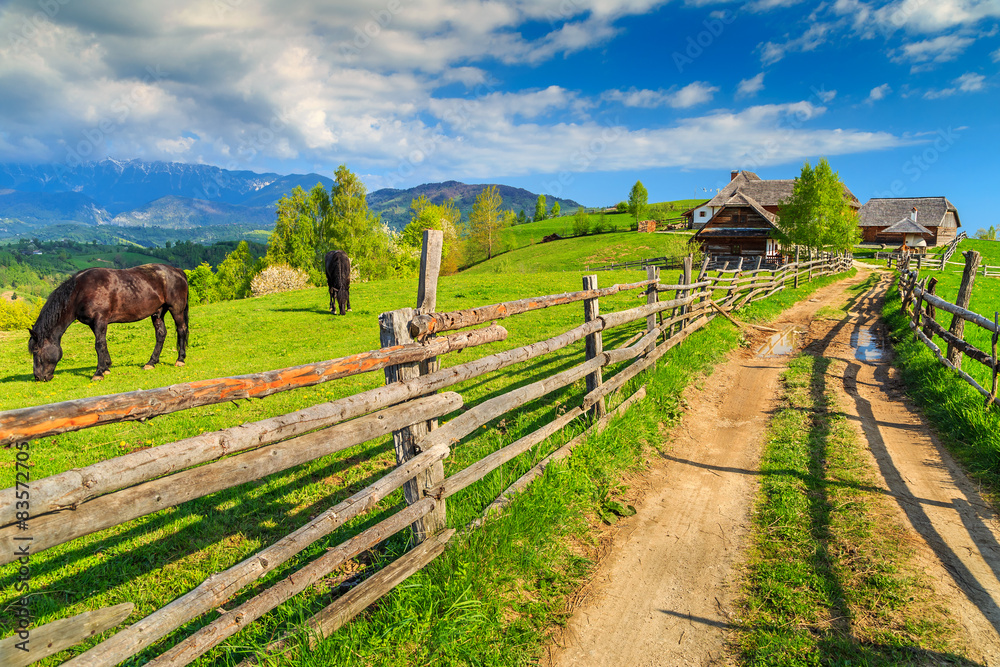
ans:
(124, 488)
(920, 293)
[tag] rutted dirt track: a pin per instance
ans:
(663, 595)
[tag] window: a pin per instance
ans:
(701, 214)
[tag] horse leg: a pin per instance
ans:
(348, 293)
(181, 322)
(100, 330)
(161, 334)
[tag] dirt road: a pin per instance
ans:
(663, 595)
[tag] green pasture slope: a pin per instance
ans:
(580, 254)
(488, 601)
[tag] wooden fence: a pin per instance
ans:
(920, 294)
(937, 262)
(117, 490)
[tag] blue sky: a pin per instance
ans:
(573, 98)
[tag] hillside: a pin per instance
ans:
(173, 212)
(394, 205)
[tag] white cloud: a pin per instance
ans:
(750, 87)
(879, 92)
(690, 95)
(811, 39)
(969, 82)
(940, 49)
(996, 56)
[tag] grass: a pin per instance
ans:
(488, 601)
(829, 578)
(581, 253)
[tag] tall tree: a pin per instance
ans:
(348, 225)
(293, 240)
(426, 215)
(818, 214)
(540, 212)
(637, 199)
(486, 221)
(555, 210)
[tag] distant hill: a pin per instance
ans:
(394, 205)
(147, 202)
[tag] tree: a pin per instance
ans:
(621, 207)
(818, 214)
(581, 222)
(522, 218)
(637, 199)
(987, 234)
(293, 241)
(540, 213)
(487, 220)
(234, 274)
(349, 226)
(555, 210)
(425, 215)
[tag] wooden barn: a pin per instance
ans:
(741, 219)
(879, 218)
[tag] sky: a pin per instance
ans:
(570, 98)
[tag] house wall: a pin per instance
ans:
(737, 245)
(701, 216)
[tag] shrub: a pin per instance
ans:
(17, 315)
(278, 278)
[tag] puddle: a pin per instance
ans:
(780, 344)
(866, 344)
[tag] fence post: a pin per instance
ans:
(685, 280)
(919, 262)
(594, 344)
(795, 284)
(652, 296)
(929, 310)
(964, 296)
(394, 330)
(810, 278)
(430, 268)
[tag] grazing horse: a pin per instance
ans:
(99, 297)
(338, 279)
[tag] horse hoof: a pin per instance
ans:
(97, 378)
(179, 364)
(148, 367)
(107, 372)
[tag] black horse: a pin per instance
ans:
(338, 279)
(99, 297)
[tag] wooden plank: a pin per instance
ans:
(968, 315)
(394, 331)
(46, 420)
(491, 462)
(51, 638)
(430, 269)
(223, 585)
(944, 361)
(48, 530)
(231, 622)
(963, 346)
(538, 470)
(421, 325)
(69, 489)
(594, 342)
(359, 598)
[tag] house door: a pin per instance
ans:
(772, 247)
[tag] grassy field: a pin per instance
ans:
(489, 601)
(583, 253)
(829, 578)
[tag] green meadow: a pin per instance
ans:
(490, 599)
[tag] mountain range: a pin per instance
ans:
(145, 202)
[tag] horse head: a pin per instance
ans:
(45, 354)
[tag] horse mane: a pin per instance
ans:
(55, 305)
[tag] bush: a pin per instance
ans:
(278, 278)
(17, 315)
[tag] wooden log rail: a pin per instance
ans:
(425, 324)
(47, 420)
(49, 530)
(219, 587)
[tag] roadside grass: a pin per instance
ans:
(828, 578)
(493, 595)
(970, 431)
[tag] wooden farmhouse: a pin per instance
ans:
(741, 221)
(880, 220)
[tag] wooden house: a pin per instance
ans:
(878, 217)
(742, 219)
(913, 233)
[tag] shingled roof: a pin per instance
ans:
(879, 212)
(765, 193)
(907, 226)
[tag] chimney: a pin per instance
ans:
(733, 174)
(913, 214)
